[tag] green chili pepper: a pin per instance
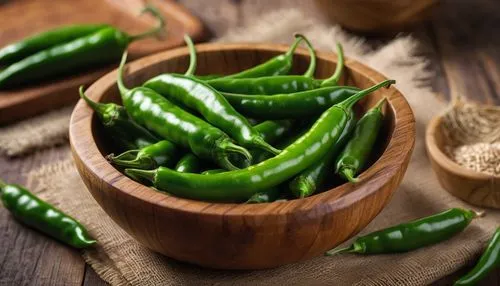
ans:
(162, 153)
(280, 84)
(158, 114)
(268, 196)
(119, 126)
(208, 76)
(104, 46)
(18, 51)
(488, 261)
(314, 177)
(359, 147)
(34, 212)
(213, 171)
(289, 105)
(189, 163)
(240, 185)
(279, 65)
(197, 95)
(412, 235)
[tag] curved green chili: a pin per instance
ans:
(162, 153)
(29, 209)
(119, 126)
(314, 177)
(412, 235)
(488, 261)
(289, 105)
(359, 147)
(158, 114)
(189, 163)
(279, 84)
(33, 44)
(202, 98)
(213, 171)
(103, 46)
(240, 185)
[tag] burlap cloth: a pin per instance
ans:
(120, 260)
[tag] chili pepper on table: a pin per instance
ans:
(28, 46)
(189, 163)
(119, 126)
(488, 261)
(29, 209)
(173, 123)
(314, 177)
(240, 185)
(281, 84)
(162, 153)
(104, 46)
(412, 235)
(289, 105)
(357, 150)
(197, 95)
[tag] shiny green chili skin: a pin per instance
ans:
(314, 177)
(33, 44)
(279, 84)
(489, 260)
(412, 235)
(189, 163)
(213, 171)
(199, 96)
(29, 209)
(291, 105)
(162, 153)
(357, 151)
(104, 46)
(166, 119)
(119, 126)
(240, 185)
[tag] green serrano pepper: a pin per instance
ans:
(162, 153)
(265, 197)
(488, 261)
(104, 46)
(314, 177)
(413, 235)
(29, 209)
(119, 126)
(213, 171)
(158, 114)
(280, 84)
(240, 185)
(18, 51)
(289, 105)
(189, 163)
(357, 150)
(202, 98)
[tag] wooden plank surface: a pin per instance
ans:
(464, 51)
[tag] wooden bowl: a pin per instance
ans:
(241, 236)
(376, 15)
(473, 187)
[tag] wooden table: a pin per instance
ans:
(465, 51)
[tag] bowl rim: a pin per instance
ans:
(395, 156)
(445, 162)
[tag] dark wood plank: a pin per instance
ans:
(91, 278)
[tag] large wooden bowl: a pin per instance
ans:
(242, 236)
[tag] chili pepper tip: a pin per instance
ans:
(348, 174)
(479, 214)
(302, 187)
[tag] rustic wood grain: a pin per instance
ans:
(242, 236)
(25, 101)
(484, 15)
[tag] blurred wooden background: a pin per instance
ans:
(464, 47)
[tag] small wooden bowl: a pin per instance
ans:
(473, 187)
(241, 236)
(381, 16)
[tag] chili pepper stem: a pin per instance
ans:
(303, 187)
(121, 86)
(334, 79)
(231, 147)
(123, 156)
(192, 55)
(349, 102)
(353, 248)
(312, 65)
(161, 23)
(348, 174)
(294, 46)
(380, 104)
(98, 107)
(260, 143)
(138, 163)
(142, 174)
(479, 214)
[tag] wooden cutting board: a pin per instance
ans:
(21, 18)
